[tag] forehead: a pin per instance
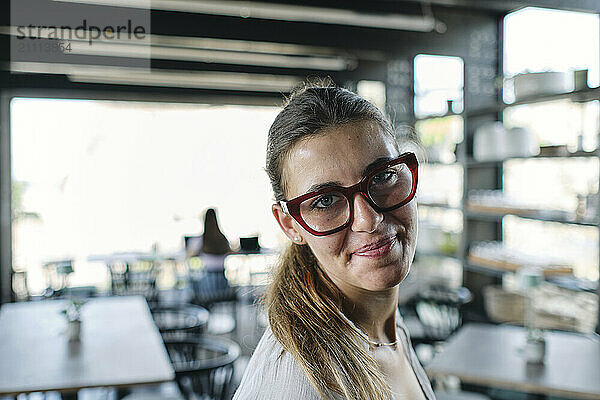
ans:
(339, 154)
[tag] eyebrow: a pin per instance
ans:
(375, 163)
(318, 186)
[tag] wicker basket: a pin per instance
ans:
(554, 308)
(504, 306)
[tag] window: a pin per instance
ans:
(438, 80)
(374, 91)
(97, 177)
(537, 39)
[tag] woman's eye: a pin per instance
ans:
(324, 201)
(384, 177)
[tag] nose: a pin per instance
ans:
(366, 219)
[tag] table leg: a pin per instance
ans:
(69, 396)
(122, 392)
(536, 396)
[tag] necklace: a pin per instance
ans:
(375, 344)
(382, 344)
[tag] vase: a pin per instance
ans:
(74, 330)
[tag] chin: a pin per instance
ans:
(387, 277)
(387, 272)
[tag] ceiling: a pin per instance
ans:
(214, 46)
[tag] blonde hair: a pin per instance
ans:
(304, 305)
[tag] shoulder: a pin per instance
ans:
(271, 373)
(420, 373)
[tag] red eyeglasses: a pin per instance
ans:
(388, 186)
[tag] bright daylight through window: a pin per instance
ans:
(107, 177)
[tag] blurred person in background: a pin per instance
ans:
(212, 247)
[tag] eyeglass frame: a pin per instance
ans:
(292, 207)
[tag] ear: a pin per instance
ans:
(287, 224)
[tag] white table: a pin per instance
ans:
(120, 346)
(490, 355)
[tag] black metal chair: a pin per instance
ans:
(203, 366)
(134, 278)
(179, 320)
(211, 289)
(57, 275)
(438, 309)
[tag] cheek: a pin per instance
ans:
(326, 248)
(416, 230)
(413, 218)
(413, 230)
(407, 216)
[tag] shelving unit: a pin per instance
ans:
(480, 224)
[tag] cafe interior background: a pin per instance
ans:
(112, 150)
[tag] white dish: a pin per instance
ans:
(539, 83)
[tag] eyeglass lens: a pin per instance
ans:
(330, 210)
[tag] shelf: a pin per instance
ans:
(494, 217)
(503, 266)
(579, 96)
(588, 94)
(439, 163)
(437, 254)
(485, 270)
(438, 205)
(572, 283)
(580, 154)
(429, 118)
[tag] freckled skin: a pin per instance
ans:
(341, 154)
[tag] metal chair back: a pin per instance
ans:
(203, 365)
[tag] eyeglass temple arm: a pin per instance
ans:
(283, 205)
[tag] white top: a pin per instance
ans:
(271, 375)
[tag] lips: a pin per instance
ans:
(377, 248)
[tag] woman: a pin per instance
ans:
(215, 245)
(344, 184)
(212, 284)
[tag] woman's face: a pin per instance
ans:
(375, 252)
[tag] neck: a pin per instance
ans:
(373, 312)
